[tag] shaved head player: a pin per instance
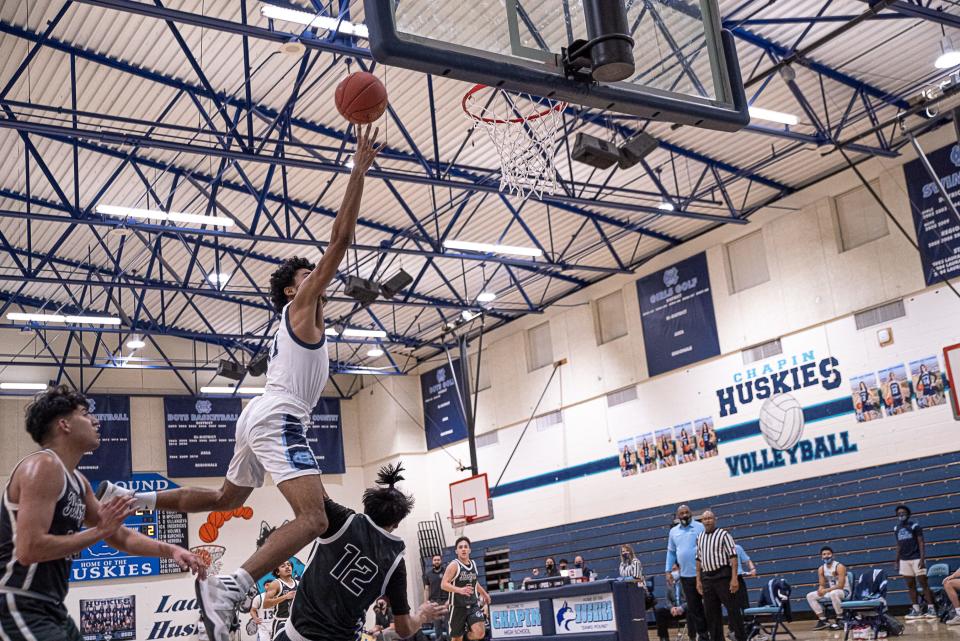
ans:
(44, 510)
(271, 433)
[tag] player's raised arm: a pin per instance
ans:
(44, 476)
(110, 516)
(344, 224)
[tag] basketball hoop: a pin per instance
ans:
(211, 555)
(524, 129)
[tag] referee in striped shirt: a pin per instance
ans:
(717, 578)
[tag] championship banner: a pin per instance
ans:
(513, 620)
(938, 230)
(104, 562)
(676, 310)
(112, 460)
(325, 436)
(443, 416)
(201, 433)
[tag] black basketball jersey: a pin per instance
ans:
(48, 578)
(283, 608)
(349, 570)
(466, 575)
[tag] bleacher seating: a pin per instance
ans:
(781, 526)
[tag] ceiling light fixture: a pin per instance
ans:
(213, 389)
(492, 248)
(486, 297)
(92, 320)
(155, 214)
(760, 113)
(356, 332)
(468, 316)
(666, 206)
(331, 331)
(60, 318)
(313, 20)
(376, 352)
(949, 56)
(23, 386)
(136, 342)
(220, 279)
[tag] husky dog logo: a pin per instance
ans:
(441, 374)
(955, 155)
(671, 277)
(566, 616)
(204, 406)
(91, 405)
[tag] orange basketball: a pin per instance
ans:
(889, 400)
(208, 533)
(238, 512)
(247, 513)
(361, 98)
(226, 516)
(919, 387)
(215, 519)
(859, 406)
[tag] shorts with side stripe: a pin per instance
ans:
(462, 618)
(26, 619)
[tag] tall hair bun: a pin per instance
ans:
(389, 475)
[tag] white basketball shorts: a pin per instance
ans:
(271, 437)
(912, 568)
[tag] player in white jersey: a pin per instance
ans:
(271, 433)
(262, 619)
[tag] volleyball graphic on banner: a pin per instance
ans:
(781, 421)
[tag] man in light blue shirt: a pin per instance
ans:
(746, 568)
(682, 550)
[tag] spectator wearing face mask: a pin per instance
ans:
(682, 551)
(675, 607)
(630, 567)
(912, 563)
(580, 565)
(564, 565)
(551, 568)
(833, 582)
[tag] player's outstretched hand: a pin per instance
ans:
(367, 149)
(466, 590)
(187, 560)
(113, 513)
(431, 611)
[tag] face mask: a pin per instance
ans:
(625, 556)
(676, 575)
(902, 517)
(685, 520)
(579, 564)
(827, 560)
(549, 566)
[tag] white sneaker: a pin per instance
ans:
(955, 620)
(914, 614)
(219, 598)
(107, 490)
(930, 613)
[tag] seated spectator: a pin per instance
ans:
(580, 565)
(630, 567)
(951, 586)
(564, 565)
(551, 568)
(833, 583)
(675, 607)
(384, 629)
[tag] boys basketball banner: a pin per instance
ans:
(442, 396)
(325, 436)
(676, 309)
(938, 230)
(112, 460)
(201, 433)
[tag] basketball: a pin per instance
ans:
(781, 421)
(361, 98)
(215, 519)
(208, 533)
(238, 512)
(247, 513)
(226, 515)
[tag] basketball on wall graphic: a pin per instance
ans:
(210, 530)
(781, 421)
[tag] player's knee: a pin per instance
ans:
(317, 521)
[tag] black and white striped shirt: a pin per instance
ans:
(715, 549)
(632, 569)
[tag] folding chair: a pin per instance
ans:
(773, 611)
(869, 601)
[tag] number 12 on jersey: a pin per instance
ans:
(354, 571)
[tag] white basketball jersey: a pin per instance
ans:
(296, 368)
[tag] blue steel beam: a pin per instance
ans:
(921, 12)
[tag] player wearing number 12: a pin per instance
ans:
(357, 560)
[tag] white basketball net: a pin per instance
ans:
(524, 130)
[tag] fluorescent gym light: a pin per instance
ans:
(486, 297)
(313, 20)
(213, 389)
(331, 331)
(24, 386)
(467, 315)
(356, 332)
(376, 352)
(136, 342)
(949, 56)
(349, 164)
(490, 248)
(39, 318)
(773, 116)
(155, 214)
(218, 278)
(92, 320)
(666, 206)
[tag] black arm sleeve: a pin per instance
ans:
(337, 515)
(397, 590)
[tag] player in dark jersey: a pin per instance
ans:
(280, 594)
(460, 580)
(357, 560)
(44, 509)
